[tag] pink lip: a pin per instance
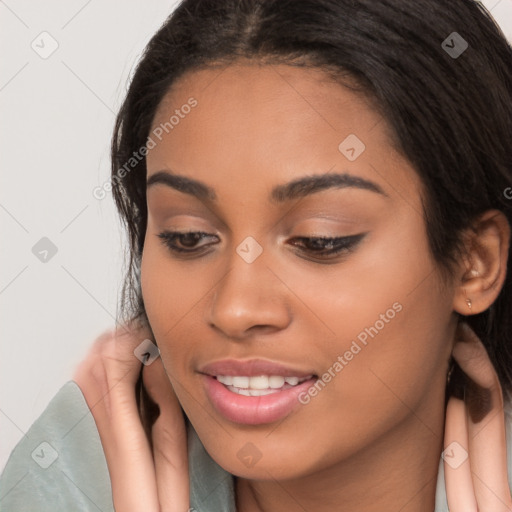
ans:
(253, 410)
(252, 368)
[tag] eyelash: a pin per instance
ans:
(342, 244)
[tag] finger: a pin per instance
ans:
(110, 370)
(457, 472)
(109, 362)
(132, 469)
(486, 423)
(169, 441)
(107, 378)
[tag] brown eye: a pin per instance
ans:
(187, 241)
(327, 247)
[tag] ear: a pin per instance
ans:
(484, 268)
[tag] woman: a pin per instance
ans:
(316, 197)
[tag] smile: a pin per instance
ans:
(255, 400)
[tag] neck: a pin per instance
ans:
(396, 472)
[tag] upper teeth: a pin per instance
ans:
(260, 381)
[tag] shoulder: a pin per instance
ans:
(59, 464)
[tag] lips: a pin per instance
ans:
(253, 368)
(253, 406)
(253, 410)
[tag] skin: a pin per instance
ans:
(381, 420)
(157, 480)
(141, 479)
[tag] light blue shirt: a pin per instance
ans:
(59, 465)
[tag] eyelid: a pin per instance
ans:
(186, 214)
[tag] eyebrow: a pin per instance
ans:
(295, 189)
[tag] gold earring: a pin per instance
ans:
(468, 301)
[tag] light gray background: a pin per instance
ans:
(57, 115)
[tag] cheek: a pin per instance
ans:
(174, 297)
(378, 327)
(153, 285)
(168, 297)
(393, 320)
(170, 293)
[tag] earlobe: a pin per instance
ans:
(485, 268)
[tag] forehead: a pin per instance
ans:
(268, 120)
(251, 91)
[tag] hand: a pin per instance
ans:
(153, 479)
(477, 424)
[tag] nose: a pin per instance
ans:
(250, 299)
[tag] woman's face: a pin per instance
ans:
(373, 323)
